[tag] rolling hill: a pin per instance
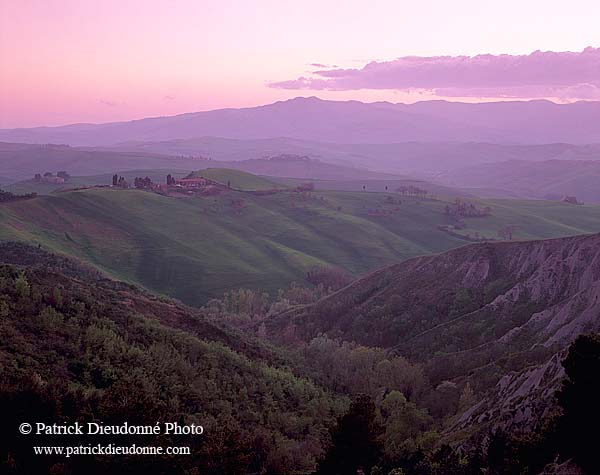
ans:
(491, 170)
(20, 161)
(551, 179)
(41, 188)
(84, 348)
(348, 122)
(79, 347)
(302, 166)
(197, 248)
(412, 158)
(483, 168)
(389, 185)
(237, 180)
(498, 315)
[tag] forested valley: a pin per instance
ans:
(76, 346)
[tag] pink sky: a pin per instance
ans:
(67, 61)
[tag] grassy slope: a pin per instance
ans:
(30, 186)
(238, 180)
(539, 180)
(23, 161)
(197, 248)
(537, 218)
(376, 185)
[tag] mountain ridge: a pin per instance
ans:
(500, 315)
(472, 266)
(338, 121)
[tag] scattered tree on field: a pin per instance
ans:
(507, 232)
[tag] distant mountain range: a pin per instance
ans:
(353, 122)
(488, 147)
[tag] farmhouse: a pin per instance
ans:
(571, 199)
(49, 178)
(192, 182)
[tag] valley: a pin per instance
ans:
(299, 238)
(328, 287)
(197, 248)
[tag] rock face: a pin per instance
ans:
(545, 292)
(519, 400)
(502, 313)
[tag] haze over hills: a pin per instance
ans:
(449, 164)
(532, 122)
(417, 158)
(475, 335)
(551, 179)
(493, 318)
(202, 273)
(22, 161)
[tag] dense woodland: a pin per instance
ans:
(78, 347)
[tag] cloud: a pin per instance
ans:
(565, 75)
(322, 65)
(108, 103)
(168, 98)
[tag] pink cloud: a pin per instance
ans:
(565, 75)
(108, 103)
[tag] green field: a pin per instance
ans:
(238, 180)
(197, 248)
(375, 185)
(30, 186)
(535, 219)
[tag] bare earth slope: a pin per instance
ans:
(499, 315)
